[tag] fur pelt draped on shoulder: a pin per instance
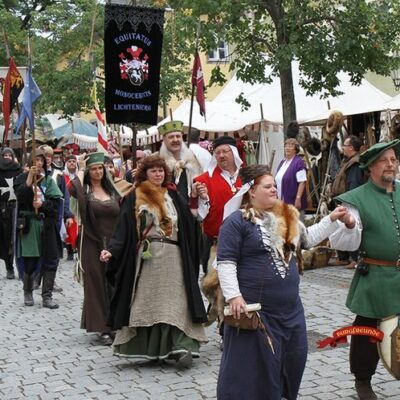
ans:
(151, 199)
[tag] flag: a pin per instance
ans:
(101, 123)
(11, 89)
(133, 37)
(198, 81)
(31, 94)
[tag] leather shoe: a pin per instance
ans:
(10, 274)
(185, 360)
(364, 390)
(106, 339)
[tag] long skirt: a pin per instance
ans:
(268, 373)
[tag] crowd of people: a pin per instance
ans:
(141, 234)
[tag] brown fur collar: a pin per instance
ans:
(283, 228)
(288, 223)
(150, 199)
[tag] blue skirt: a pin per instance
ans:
(251, 370)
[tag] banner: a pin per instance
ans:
(132, 54)
(101, 123)
(198, 82)
(12, 86)
(340, 335)
(31, 94)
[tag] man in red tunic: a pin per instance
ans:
(212, 190)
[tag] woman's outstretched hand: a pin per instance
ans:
(342, 214)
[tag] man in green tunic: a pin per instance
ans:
(373, 293)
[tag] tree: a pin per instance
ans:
(60, 32)
(325, 36)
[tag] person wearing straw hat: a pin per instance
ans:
(373, 293)
(98, 204)
(257, 262)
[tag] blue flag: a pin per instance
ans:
(31, 94)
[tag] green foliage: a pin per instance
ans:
(59, 36)
(325, 36)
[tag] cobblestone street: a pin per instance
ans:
(46, 356)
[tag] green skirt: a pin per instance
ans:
(160, 341)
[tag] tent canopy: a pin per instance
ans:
(225, 115)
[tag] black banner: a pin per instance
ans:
(132, 54)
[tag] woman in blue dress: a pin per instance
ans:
(257, 263)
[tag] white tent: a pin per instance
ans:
(354, 100)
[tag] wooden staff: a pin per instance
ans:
(193, 86)
(121, 153)
(312, 175)
(134, 144)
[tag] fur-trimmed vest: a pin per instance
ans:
(187, 164)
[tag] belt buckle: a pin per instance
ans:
(398, 264)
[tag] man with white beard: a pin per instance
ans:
(179, 158)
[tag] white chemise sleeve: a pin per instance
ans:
(345, 239)
(228, 279)
(340, 237)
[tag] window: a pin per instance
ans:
(220, 53)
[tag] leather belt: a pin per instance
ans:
(164, 240)
(381, 263)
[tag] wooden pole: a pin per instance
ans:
(312, 175)
(134, 144)
(8, 58)
(193, 86)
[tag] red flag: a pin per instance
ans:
(12, 87)
(198, 81)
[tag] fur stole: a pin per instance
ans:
(151, 199)
(282, 224)
(187, 163)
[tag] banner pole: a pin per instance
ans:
(192, 94)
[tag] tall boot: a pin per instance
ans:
(47, 289)
(28, 288)
(364, 390)
(10, 268)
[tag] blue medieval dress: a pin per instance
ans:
(268, 274)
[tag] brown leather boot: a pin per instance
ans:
(364, 390)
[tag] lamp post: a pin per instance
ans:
(395, 73)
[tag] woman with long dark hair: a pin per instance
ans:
(98, 204)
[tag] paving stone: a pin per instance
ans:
(51, 358)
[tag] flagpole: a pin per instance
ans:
(8, 58)
(35, 182)
(193, 86)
